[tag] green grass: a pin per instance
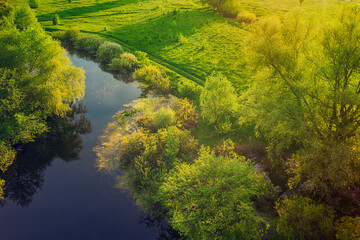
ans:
(187, 39)
(185, 36)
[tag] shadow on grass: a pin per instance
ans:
(166, 31)
(78, 11)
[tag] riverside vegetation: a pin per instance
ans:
(37, 80)
(273, 81)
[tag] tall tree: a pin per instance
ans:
(219, 103)
(307, 92)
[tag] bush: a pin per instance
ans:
(188, 89)
(90, 43)
(301, 218)
(164, 117)
(212, 198)
(108, 50)
(246, 17)
(71, 35)
(185, 114)
(348, 228)
(230, 8)
(56, 19)
(34, 3)
(125, 61)
(153, 77)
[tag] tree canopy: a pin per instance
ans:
(307, 95)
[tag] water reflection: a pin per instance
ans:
(165, 231)
(63, 140)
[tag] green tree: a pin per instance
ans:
(37, 80)
(24, 18)
(311, 74)
(34, 3)
(219, 103)
(55, 19)
(301, 218)
(212, 198)
(6, 12)
(307, 92)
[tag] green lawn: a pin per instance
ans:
(187, 36)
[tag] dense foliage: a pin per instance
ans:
(219, 103)
(108, 50)
(303, 103)
(146, 143)
(212, 198)
(153, 77)
(124, 61)
(301, 218)
(89, 43)
(37, 80)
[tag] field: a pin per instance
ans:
(184, 36)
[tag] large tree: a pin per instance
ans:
(219, 103)
(307, 93)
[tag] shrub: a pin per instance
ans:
(301, 218)
(71, 35)
(246, 17)
(34, 3)
(348, 228)
(230, 8)
(164, 117)
(55, 19)
(108, 50)
(153, 77)
(188, 89)
(185, 114)
(212, 198)
(90, 43)
(126, 60)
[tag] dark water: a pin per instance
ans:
(53, 189)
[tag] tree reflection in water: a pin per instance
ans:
(166, 232)
(63, 140)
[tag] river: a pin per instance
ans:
(54, 190)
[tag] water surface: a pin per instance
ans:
(56, 192)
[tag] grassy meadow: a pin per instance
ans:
(184, 36)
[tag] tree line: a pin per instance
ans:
(37, 80)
